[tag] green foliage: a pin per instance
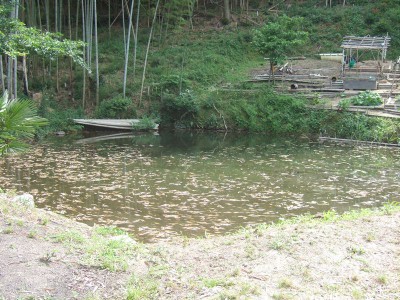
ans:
(360, 127)
(18, 40)
(109, 231)
(18, 123)
(116, 108)
(197, 60)
(61, 120)
(142, 288)
(261, 111)
(390, 207)
(173, 84)
(59, 116)
(327, 26)
(268, 111)
(144, 124)
(344, 104)
(179, 111)
(177, 11)
(367, 98)
(277, 39)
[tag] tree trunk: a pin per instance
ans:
(56, 30)
(84, 56)
(70, 60)
(136, 38)
(147, 51)
(2, 75)
(272, 71)
(9, 75)
(15, 79)
(97, 53)
(25, 76)
(227, 10)
(127, 47)
(109, 19)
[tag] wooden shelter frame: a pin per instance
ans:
(353, 45)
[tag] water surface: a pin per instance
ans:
(157, 186)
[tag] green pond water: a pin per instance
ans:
(158, 186)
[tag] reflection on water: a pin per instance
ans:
(156, 186)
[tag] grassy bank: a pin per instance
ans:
(328, 25)
(353, 256)
(261, 109)
(196, 77)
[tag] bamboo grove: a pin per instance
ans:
(81, 20)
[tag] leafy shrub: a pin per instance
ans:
(144, 124)
(224, 21)
(262, 111)
(62, 120)
(361, 127)
(366, 99)
(173, 84)
(179, 110)
(246, 37)
(116, 108)
(59, 116)
(344, 104)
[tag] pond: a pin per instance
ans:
(192, 184)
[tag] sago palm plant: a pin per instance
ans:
(18, 123)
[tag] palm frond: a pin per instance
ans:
(18, 121)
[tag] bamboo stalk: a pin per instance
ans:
(2, 75)
(15, 79)
(97, 53)
(56, 30)
(84, 56)
(39, 14)
(147, 52)
(109, 18)
(25, 76)
(70, 37)
(9, 75)
(136, 38)
(127, 48)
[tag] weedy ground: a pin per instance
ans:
(351, 256)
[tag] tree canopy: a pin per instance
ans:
(277, 39)
(16, 39)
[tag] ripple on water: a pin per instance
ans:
(192, 185)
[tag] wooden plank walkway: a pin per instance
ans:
(368, 111)
(123, 124)
(356, 142)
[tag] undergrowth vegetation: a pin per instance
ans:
(116, 108)
(367, 99)
(60, 115)
(360, 127)
(327, 26)
(196, 77)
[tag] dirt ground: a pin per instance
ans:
(357, 257)
(33, 266)
(305, 67)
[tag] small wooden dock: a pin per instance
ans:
(120, 124)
